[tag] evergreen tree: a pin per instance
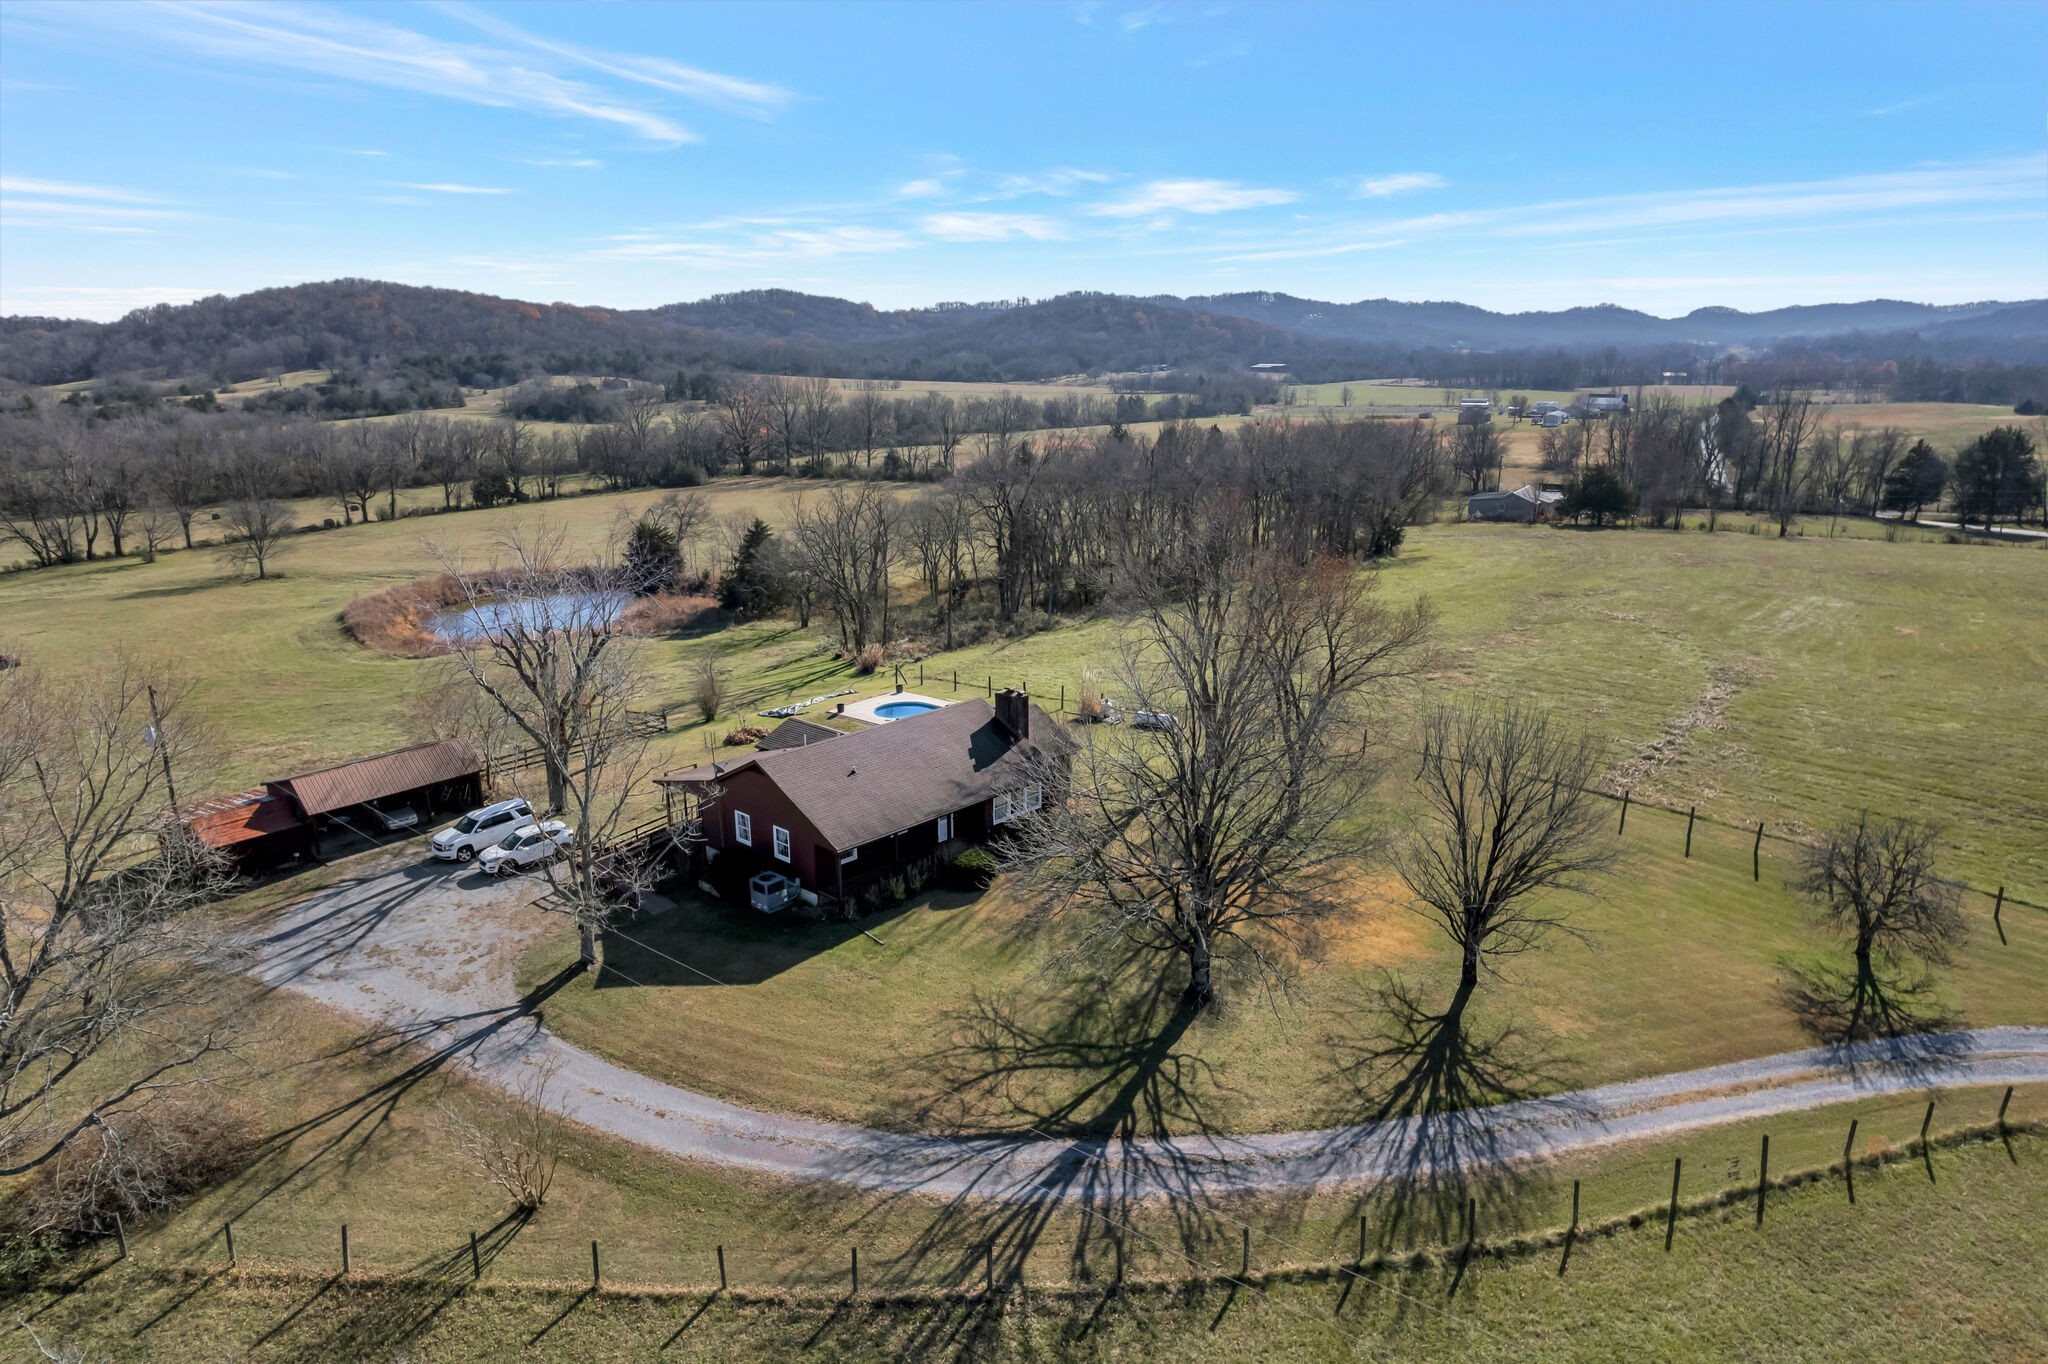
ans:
(750, 587)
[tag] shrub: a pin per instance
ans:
(915, 877)
(745, 734)
(868, 659)
(871, 898)
(974, 869)
(894, 890)
(1089, 707)
(137, 1165)
(707, 688)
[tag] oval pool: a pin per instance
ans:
(902, 710)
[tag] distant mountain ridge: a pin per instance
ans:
(369, 323)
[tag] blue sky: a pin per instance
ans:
(1661, 156)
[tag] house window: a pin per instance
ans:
(945, 827)
(1017, 804)
(743, 828)
(781, 843)
(849, 855)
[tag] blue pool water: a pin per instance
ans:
(902, 710)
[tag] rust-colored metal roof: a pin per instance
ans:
(386, 774)
(227, 820)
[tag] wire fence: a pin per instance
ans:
(1107, 1246)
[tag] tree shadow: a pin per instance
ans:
(1865, 1002)
(1422, 1102)
(1116, 1113)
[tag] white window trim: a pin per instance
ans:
(851, 854)
(782, 843)
(999, 811)
(1011, 805)
(945, 827)
(1032, 797)
(743, 828)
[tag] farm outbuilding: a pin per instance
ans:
(1526, 503)
(430, 778)
(256, 830)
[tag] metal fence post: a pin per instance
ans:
(1756, 854)
(721, 1269)
(596, 1278)
(1671, 1218)
(229, 1229)
(1622, 828)
(1763, 1178)
(1691, 813)
(856, 1269)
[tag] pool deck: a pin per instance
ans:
(865, 710)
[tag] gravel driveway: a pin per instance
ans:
(427, 951)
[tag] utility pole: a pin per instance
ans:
(163, 750)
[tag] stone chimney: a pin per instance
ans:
(1013, 712)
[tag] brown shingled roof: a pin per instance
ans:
(227, 820)
(796, 732)
(386, 774)
(864, 786)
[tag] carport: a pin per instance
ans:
(256, 829)
(431, 778)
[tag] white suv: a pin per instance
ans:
(526, 846)
(479, 829)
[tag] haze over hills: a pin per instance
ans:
(366, 323)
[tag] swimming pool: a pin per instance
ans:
(903, 710)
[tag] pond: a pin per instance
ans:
(557, 611)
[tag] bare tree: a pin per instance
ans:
(519, 1141)
(743, 423)
(708, 680)
(1214, 839)
(1510, 816)
(1477, 455)
(108, 971)
(1875, 881)
(258, 530)
(1788, 427)
(847, 544)
(556, 661)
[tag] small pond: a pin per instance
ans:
(559, 611)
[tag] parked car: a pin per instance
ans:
(394, 820)
(527, 846)
(1154, 719)
(479, 829)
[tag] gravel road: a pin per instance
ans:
(425, 953)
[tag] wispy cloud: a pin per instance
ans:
(767, 249)
(1386, 186)
(929, 187)
(730, 93)
(992, 227)
(566, 162)
(522, 71)
(1887, 110)
(452, 187)
(66, 189)
(1192, 196)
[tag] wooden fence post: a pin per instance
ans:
(2002, 1106)
(596, 1277)
(1849, 1160)
(1756, 854)
(1063, 699)
(476, 1258)
(1471, 1220)
(1997, 921)
(1923, 1125)
(1118, 1242)
(991, 687)
(1361, 1238)
(1671, 1219)
(856, 1271)
(1245, 1264)
(956, 679)
(121, 1235)
(1763, 1178)
(228, 1229)
(1623, 827)
(721, 1269)
(1691, 813)
(344, 1247)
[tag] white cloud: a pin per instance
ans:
(761, 249)
(991, 227)
(927, 188)
(452, 187)
(65, 189)
(99, 302)
(566, 162)
(524, 72)
(1386, 186)
(1193, 196)
(1057, 181)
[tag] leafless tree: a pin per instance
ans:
(1510, 818)
(257, 531)
(517, 1143)
(1787, 432)
(1477, 453)
(687, 516)
(1833, 464)
(109, 972)
(1875, 881)
(847, 543)
(1215, 839)
(561, 669)
(743, 423)
(708, 679)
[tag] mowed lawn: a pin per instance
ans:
(964, 1016)
(1794, 681)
